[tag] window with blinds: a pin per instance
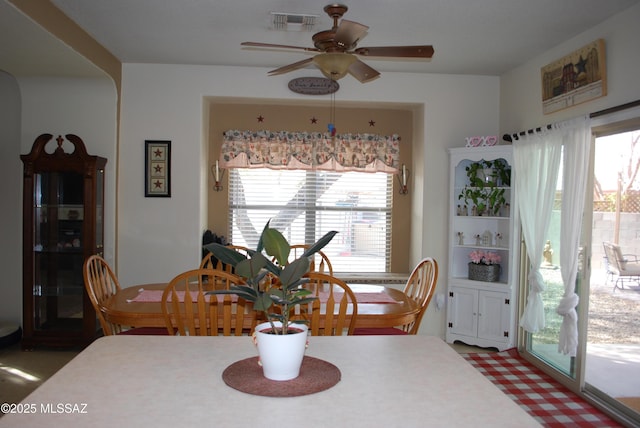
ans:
(304, 205)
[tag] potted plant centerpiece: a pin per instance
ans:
(274, 289)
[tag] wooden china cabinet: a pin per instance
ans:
(63, 224)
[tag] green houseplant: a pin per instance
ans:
(482, 189)
(475, 196)
(503, 172)
(270, 284)
(495, 199)
(480, 173)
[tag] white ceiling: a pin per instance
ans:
(486, 37)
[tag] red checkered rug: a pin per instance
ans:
(544, 398)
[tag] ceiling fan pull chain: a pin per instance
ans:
(332, 116)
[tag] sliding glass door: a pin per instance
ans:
(607, 365)
(612, 363)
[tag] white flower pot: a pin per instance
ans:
(281, 355)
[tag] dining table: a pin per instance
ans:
(180, 381)
(378, 306)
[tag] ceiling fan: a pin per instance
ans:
(338, 51)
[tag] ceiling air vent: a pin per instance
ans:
(292, 21)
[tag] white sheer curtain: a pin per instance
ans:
(576, 139)
(536, 162)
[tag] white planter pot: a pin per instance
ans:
(281, 355)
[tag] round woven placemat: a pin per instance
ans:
(315, 375)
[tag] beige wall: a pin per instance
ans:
(243, 115)
(520, 88)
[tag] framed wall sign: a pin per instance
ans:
(576, 78)
(313, 85)
(157, 168)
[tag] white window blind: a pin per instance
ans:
(304, 205)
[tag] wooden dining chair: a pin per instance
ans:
(335, 310)
(188, 308)
(101, 283)
(420, 287)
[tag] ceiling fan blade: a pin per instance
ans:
(291, 67)
(424, 51)
(349, 33)
(270, 45)
(362, 71)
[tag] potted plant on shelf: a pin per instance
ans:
(503, 172)
(274, 289)
(482, 190)
(475, 197)
(481, 173)
(495, 199)
(484, 265)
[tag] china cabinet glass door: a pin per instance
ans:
(58, 254)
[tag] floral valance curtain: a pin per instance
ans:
(310, 150)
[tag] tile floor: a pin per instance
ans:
(23, 371)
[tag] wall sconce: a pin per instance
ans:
(218, 175)
(403, 178)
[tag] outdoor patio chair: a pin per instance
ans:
(622, 267)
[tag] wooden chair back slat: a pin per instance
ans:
(420, 287)
(335, 316)
(101, 283)
(206, 315)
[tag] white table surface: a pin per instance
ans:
(155, 381)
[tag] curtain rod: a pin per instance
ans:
(511, 137)
(615, 109)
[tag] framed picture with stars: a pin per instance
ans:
(576, 78)
(157, 167)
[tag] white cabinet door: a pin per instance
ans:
(463, 311)
(479, 313)
(493, 315)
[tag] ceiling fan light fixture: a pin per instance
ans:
(334, 65)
